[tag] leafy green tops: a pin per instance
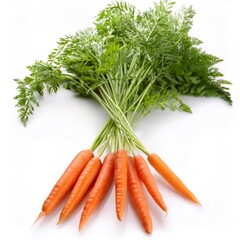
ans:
(140, 59)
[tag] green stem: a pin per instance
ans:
(104, 147)
(117, 115)
(102, 134)
(139, 101)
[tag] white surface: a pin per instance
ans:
(202, 148)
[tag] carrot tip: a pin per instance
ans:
(198, 203)
(119, 218)
(59, 221)
(195, 200)
(80, 227)
(164, 208)
(148, 231)
(41, 214)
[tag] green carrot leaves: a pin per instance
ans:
(123, 45)
(42, 76)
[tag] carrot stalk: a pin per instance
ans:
(120, 179)
(162, 168)
(83, 183)
(65, 182)
(138, 198)
(148, 180)
(99, 189)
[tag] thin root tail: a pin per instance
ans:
(41, 214)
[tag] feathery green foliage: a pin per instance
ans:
(126, 52)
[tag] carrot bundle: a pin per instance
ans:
(128, 173)
(131, 62)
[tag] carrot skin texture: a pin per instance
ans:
(162, 168)
(138, 198)
(66, 182)
(120, 179)
(146, 176)
(82, 185)
(99, 189)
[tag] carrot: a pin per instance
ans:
(120, 179)
(162, 168)
(148, 180)
(65, 182)
(138, 198)
(99, 189)
(83, 183)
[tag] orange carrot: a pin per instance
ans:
(83, 183)
(120, 179)
(162, 168)
(99, 189)
(148, 180)
(138, 198)
(65, 182)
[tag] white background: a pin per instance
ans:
(202, 148)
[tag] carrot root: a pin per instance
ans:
(138, 198)
(162, 168)
(99, 189)
(120, 179)
(66, 182)
(81, 187)
(149, 182)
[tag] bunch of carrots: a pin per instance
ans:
(128, 172)
(131, 62)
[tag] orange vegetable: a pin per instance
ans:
(138, 198)
(83, 183)
(99, 189)
(66, 182)
(148, 180)
(120, 179)
(162, 168)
